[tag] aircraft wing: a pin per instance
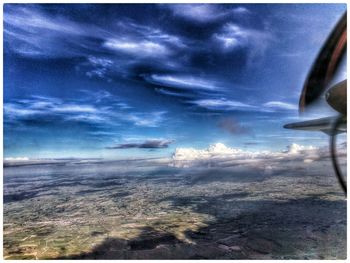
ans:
(323, 124)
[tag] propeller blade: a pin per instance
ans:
(325, 65)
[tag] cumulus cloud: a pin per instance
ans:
(296, 148)
(148, 144)
(219, 154)
(218, 149)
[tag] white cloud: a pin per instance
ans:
(297, 149)
(151, 33)
(34, 32)
(228, 42)
(204, 13)
(197, 12)
(16, 159)
(241, 10)
(75, 108)
(39, 109)
(87, 118)
(32, 19)
(98, 96)
(13, 110)
(29, 31)
(279, 105)
(222, 104)
(183, 82)
(170, 93)
(71, 110)
(39, 105)
(143, 48)
(233, 36)
(100, 67)
(219, 154)
(96, 61)
(151, 119)
(218, 149)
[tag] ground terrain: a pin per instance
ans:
(146, 209)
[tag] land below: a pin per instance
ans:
(148, 209)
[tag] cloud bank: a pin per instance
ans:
(219, 154)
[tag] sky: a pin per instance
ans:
(141, 80)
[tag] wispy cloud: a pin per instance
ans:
(98, 96)
(32, 18)
(204, 13)
(128, 49)
(140, 48)
(188, 82)
(223, 104)
(100, 67)
(151, 33)
(279, 105)
(30, 31)
(147, 144)
(54, 109)
(179, 94)
(150, 119)
(12, 111)
(233, 37)
(241, 10)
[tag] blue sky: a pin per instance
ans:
(135, 80)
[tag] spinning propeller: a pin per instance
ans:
(322, 73)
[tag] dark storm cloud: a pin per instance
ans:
(148, 144)
(233, 126)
